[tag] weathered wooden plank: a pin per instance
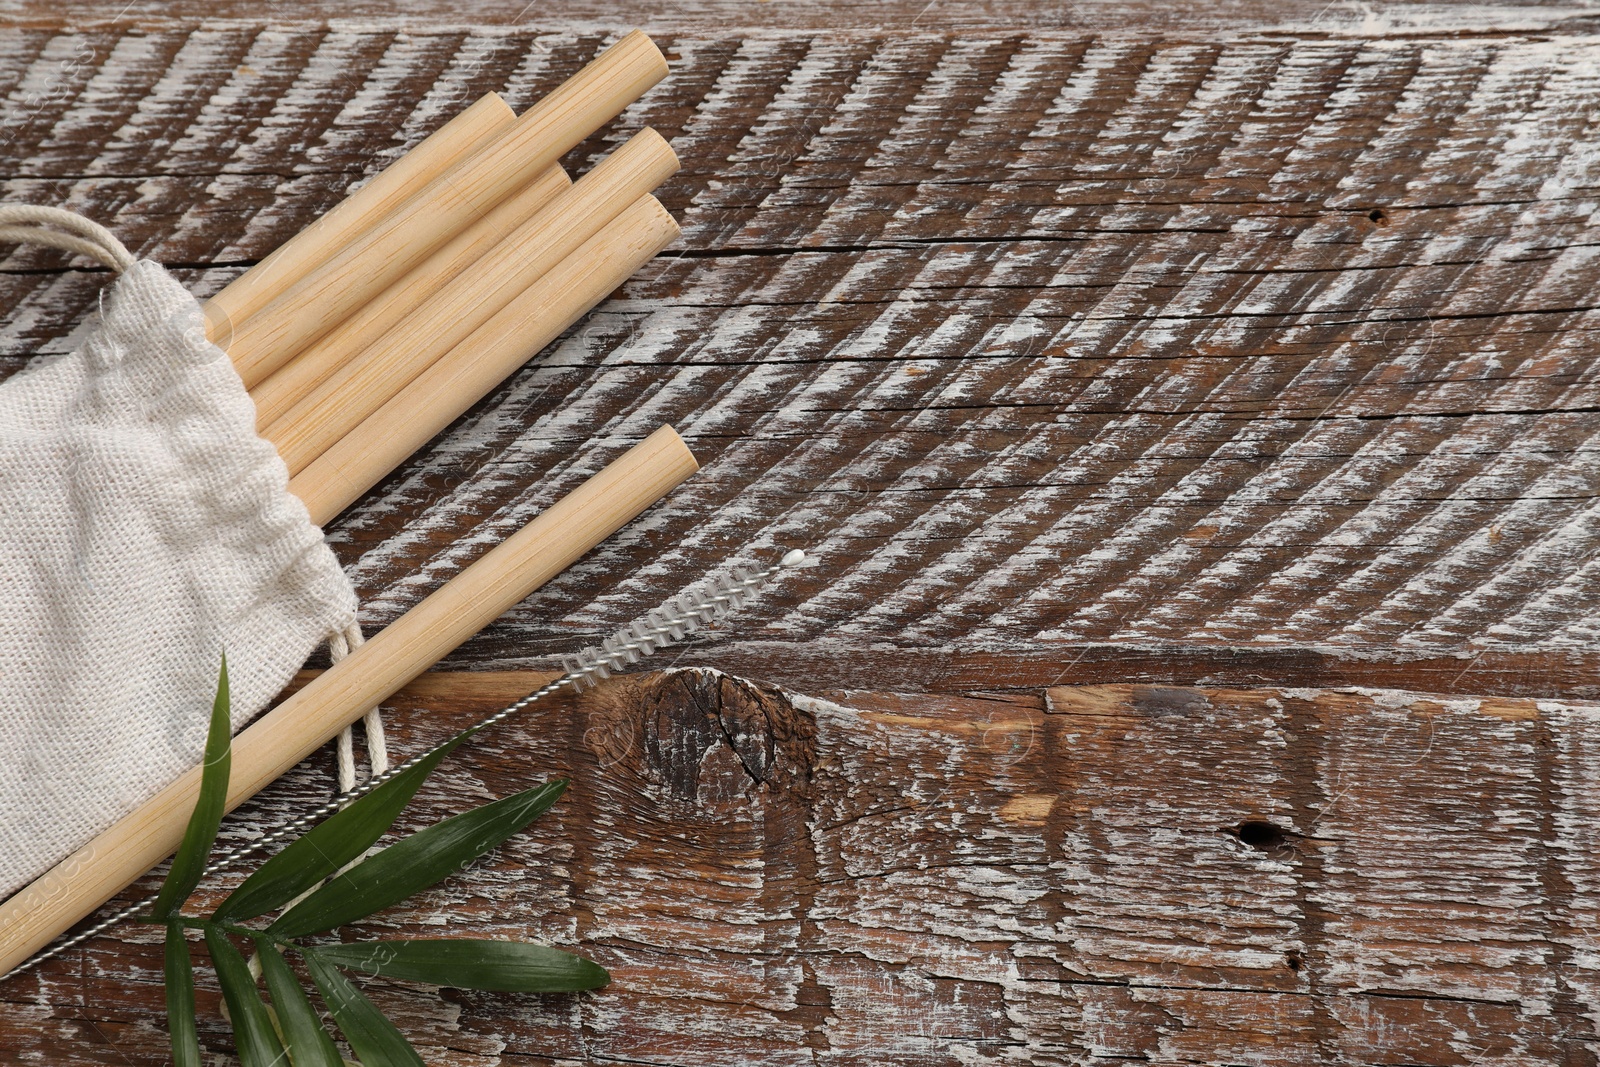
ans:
(1148, 873)
(1040, 342)
(718, 16)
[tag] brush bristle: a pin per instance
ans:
(683, 615)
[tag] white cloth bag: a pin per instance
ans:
(144, 529)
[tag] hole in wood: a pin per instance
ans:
(1294, 959)
(1263, 836)
(1377, 216)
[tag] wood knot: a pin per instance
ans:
(704, 737)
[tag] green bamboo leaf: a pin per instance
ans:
(373, 1039)
(414, 863)
(252, 1027)
(503, 966)
(180, 1000)
(308, 1043)
(336, 841)
(190, 862)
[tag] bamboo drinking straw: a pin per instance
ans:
(450, 203)
(390, 362)
(466, 373)
(294, 381)
(369, 675)
(395, 184)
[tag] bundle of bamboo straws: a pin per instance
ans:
(370, 332)
(381, 323)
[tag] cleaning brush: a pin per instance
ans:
(671, 622)
(678, 618)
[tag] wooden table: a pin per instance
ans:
(1192, 411)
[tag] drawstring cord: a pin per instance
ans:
(56, 227)
(339, 646)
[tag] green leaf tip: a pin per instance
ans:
(414, 863)
(469, 963)
(330, 845)
(190, 862)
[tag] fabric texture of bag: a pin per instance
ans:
(144, 530)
